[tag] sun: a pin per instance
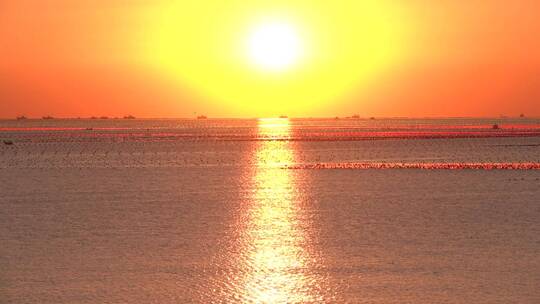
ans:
(274, 46)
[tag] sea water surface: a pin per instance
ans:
(270, 211)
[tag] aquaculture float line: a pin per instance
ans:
(423, 166)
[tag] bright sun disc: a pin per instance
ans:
(274, 46)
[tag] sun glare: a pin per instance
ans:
(268, 58)
(274, 46)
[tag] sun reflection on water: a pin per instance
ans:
(275, 243)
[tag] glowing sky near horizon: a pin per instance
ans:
(168, 58)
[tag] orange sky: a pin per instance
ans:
(101, 57)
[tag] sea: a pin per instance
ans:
(275, 210)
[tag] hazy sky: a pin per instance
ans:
(166, 58)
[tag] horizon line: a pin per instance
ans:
(47, 117)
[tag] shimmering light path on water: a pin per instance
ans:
(274, 242)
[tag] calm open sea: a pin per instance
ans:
(270, 211)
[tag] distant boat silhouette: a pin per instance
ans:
(202, 117)
(8, 142)
(22, 117)
(522, 115)
(47, 117)
(283, 116)
(129, 117)
(104, 117)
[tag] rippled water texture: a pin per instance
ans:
(270, 211)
